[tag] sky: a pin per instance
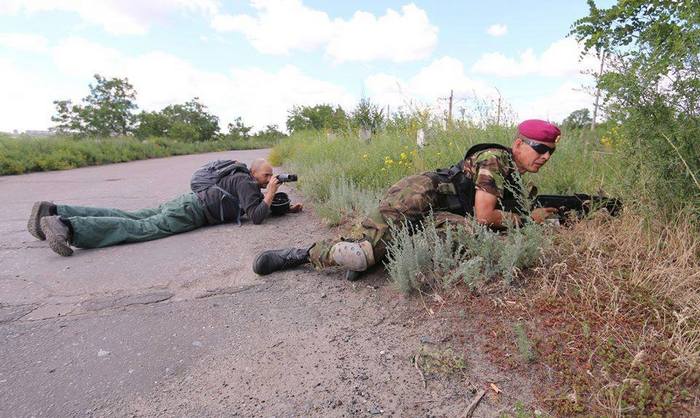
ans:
(257, 59)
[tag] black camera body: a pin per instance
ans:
(286, 178)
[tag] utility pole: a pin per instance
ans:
(449, 112)
(597, 92)
(498, 111)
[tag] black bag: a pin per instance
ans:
(455, 189)
(209, 175)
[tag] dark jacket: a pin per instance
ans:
(250, 199)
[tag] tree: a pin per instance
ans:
(319, 117)
(367, 115)
(106, 111)
(578, 119)
(238, 129)
(270, 133)
(651, 89)
(187, 122)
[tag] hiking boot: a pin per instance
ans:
(39, 210)
(57, 234)
(274, 260)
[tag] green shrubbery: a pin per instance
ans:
(24, 155)
(438, 258)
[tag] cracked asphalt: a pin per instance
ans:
(182, 327)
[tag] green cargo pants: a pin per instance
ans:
(101, 227)
(409, 200)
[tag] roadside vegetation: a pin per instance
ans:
(105, 128)
(25, 155)
(605, 312)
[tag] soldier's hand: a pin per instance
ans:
(540, 214)
(296, 208)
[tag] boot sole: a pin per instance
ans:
(33, 225)
(57, 244)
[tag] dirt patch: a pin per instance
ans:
(312, 344)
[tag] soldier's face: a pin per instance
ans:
(528, 159)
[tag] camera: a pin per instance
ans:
(285, 178)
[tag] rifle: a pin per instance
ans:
(578, 205)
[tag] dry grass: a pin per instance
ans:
(620, 304)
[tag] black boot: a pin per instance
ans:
(274, 260)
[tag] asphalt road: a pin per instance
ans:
(182, 327)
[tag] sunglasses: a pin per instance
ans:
(539, 148)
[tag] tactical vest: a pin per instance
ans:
(456, 189)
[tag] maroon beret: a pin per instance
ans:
(539, 130)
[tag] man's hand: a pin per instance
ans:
(540, 214)
(296, 208)
(273, 185)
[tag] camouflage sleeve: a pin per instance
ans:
(491, 170)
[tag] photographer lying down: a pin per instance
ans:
(222, 192)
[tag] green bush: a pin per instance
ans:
(24, 155)
(438, 258)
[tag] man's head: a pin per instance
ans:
(535, 144)
(261, 171)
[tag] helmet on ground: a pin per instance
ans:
(280, 204)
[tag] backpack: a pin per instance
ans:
(208, 176)
(456, 190)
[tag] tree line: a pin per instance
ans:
(110, 110)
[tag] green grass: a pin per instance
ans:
(24, 155)
(581, 163)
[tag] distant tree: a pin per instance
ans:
(578, 119)
(191, 121)
(106, 111)
(152, 124)
(66, 119)
(187, 122)
(367, 115)
(319, 117)
(270, 133)
(238, 129)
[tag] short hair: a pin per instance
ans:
(258, 164)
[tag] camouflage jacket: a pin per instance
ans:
(493, 171)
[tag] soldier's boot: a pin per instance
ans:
(356, 257)
(353, 276)
(57, 234)
(274, 260)
(39, 210)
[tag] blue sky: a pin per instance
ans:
(256, 59)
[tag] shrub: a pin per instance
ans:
(439, 257)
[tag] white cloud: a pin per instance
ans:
(281, 26)
(497, 30)
(556, 105)
(27, 99)
(260, 97)
(132, 17)
(71, 57)
(559, 60)
(398, 37)
(24, 42)
(431, 82)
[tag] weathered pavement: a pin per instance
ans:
(182, 327)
